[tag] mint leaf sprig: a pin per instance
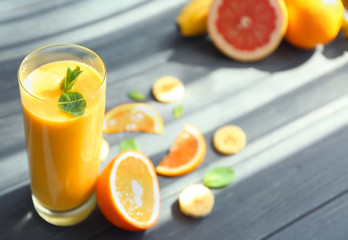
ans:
(70, 79)
(74, 102)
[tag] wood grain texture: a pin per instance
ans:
(291, 180)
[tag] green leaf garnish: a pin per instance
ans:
(74, 103)
(218, 177)
(135, 95)
(129, 144)
(70, 78)
(71, 102)
(178, 111)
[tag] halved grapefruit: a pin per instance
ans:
(247, 30)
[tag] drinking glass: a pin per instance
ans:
(62, 149)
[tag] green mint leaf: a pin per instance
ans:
(70, 78)
(135, 95)
(178, 111)
(74, 103)
(63, 84)
(71, 102)
(218, 177)
(129, 144)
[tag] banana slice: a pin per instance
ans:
(196, 201)
(168, 89)
(104, 150)
(229, 139)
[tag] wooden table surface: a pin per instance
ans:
(291, 179)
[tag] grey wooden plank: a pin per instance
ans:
(21, 221)
(328, 221)
(60, 16)
(108, 16)
(12, 11)
(14, 171)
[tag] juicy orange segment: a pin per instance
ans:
(133, 117)
(128, 192)
(186, 153)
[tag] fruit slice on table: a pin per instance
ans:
(104, 150)
(229, 139)
(133, 117)
(196, 201)
(247, 30)
(186, 153)
(168, 89)
(313, 22)
(128, 192)
(192, 19)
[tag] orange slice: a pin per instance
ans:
(133, 117)
(186, 153)
(168, 89)
(128, 192)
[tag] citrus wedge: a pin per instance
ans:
(128, 192)
(133, 117)
(247, 30)
(186, 153)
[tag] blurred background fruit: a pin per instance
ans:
(192, 20)
(345, 19)
(247, 30)
(313, 22)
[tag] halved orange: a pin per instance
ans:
(128, 192)
(133, 117)
(186, 153)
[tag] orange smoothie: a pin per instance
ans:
(63, 150)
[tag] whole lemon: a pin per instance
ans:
(313, 22)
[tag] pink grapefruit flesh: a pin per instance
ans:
(247, 30)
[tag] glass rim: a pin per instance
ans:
(61, 44)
